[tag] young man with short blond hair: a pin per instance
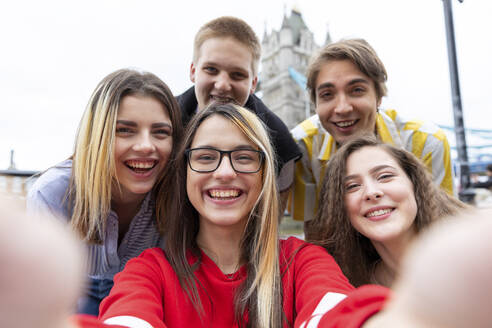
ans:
(226, 55)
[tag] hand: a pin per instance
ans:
(41, 270)
(445, 277)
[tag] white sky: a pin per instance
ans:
(53, 53)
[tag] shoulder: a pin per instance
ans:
(186, 97)
(291, 243)
(187, 104)
(415, 131)
(285, 146)
(298, 248)
(152, 262)
(271, 119)
(308, 128)
(154, 254)
(405, 123)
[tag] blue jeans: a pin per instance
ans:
(97, 289)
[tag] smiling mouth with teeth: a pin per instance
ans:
(345, 124)
(223, 100)
(140, 166)
(224, 194)
(379, 212)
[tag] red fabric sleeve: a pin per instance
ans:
(316, 274)
(358, 307)
(137, 290)
(323, 295)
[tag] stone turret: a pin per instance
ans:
(290, 47)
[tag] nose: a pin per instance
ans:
(373, 192)
(225, 170)
(223, 82)
(343, 105)
(144, 143)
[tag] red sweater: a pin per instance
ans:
(147, 292)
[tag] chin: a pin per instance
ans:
(139, 190)
(224, 220)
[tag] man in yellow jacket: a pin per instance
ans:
(346, 81)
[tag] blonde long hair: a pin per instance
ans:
(261, 293)
(93, 168)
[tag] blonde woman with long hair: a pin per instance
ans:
(222, 263)
(106, 189)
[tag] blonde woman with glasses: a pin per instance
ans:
(222, 263)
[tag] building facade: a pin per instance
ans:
(285, 57)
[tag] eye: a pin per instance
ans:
(206, 157)
(122, 130)
(358, 90)
(238, 76)
(245, 157)
(385, 176)
(351, 186)
(326, 95)
(162, 133)
(210, 69)
(203, 156)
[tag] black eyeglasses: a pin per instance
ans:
(207, 159)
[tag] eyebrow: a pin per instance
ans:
(371, 171)
(154, 125)
(239, 147)
(161, 125)
(234, 68)
(351, 82)
(125, 122)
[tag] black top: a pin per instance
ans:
(284, 145)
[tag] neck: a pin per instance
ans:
(126, 207)
(391, 253)
(222, 245)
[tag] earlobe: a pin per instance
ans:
(253, 85)
(192, 72)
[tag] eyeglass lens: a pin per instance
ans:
(208, 160)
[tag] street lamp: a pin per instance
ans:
(459, 127)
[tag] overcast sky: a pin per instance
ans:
(55, 52)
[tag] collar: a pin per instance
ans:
(386, 131)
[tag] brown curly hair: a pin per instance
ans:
(331, 227)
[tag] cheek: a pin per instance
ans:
(118, 150)
(190, 183)
(257, 188)
(243, 91)
(255, 184)
(352, 206)
(412, 208)
(324, 111)
(165, 147)
(369, 105)
(371, 118)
